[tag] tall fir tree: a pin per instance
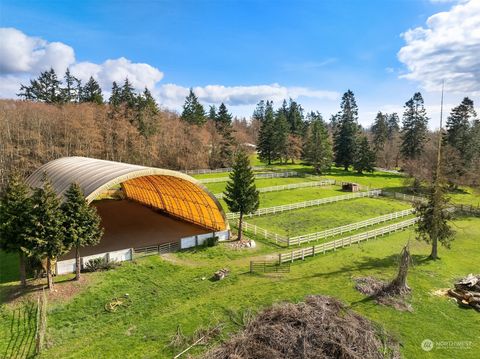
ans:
(81, 223)
(241, 194)
(266, 139)
(145, 114)
(414, 130)
(295, 117)
(71, 89)
(223, 123)
(115, 97)
(364, 160)
(317, 148)
(46, 88)
(393, 125)
(47, 230)
(193, 111)
(92, 92)
(259, 112)
(280, 136)
(345, 135)
(380, 131)
(212, 112)
(127, 94)
(458, 134)
(16, 222)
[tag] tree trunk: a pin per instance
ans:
(77, 262)
(434, 254)
(240, 225)
(49, 274)
(23, 274)
(399, 284)
(346, 167)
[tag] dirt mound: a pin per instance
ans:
(320, 327)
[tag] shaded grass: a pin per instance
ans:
(330, 215)
(8, 267)
(164, 295)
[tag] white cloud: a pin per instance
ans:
(20, 53)
(174, 95)
(447, 49)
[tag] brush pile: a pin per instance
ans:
(221, 274)
(320, 327)
(467, 292)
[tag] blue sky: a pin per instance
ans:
(241, 51)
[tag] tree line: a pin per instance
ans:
(40, 228)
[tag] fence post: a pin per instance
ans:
(251, 266)
(303, 254)
(291, 257)
(279, 258)
(313, 251)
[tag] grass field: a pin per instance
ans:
(331, 215)
(165, 295)
(218, 187)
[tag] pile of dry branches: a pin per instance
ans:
(320, 327)
(467, 291)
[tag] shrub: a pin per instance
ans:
(211, 242)
(98, 264)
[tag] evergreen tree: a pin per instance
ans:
(364, 156)
(346, 131)
(223, 123)
(92, 92)
(72, 86)
(127, 94)
(295, 117)
(146, 110)
(193, 111)
(16, 221)
(393, 126)
(414, 131)
(266, 140)
(259, 112)
(380, 131)
(115, 97)
(317, 149)
(48, 226)
(241, 194)
(280, 135)
(81, 223)
(212, 113)
(458, 133)
(46, 88)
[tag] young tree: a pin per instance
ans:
(241, 194)
(48, 226)
(346, 131)
(193, 111)
(318, 150)
(266, 141)
(16, 221)
(46, 88)
(92, 92)
(380, 131)
(414, 131)
(364, 159)
(81, 223)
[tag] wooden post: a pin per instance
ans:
(303, 254)
(313, 251)
(251, 266)
(279, 258)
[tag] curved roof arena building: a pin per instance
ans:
(151, 207)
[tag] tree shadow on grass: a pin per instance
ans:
(21, 342)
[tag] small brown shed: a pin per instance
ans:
(350, 187)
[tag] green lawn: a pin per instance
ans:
(218, 187)
(165, 295)
(331, 215)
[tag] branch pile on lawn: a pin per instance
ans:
(467, 291)
(389, 293)
(320, 327)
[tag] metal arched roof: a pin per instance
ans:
(170, 191)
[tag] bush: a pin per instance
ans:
(211, 242)
(98, 264)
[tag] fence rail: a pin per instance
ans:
(269, 267)
(257, 176)
(305, 204)
(404, 197)
(342, 242)
(156, 249)
(217, 170)
(290, 186)
(306, 238)
(258, 231)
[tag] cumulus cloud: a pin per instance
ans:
(447, 49)
(174, 95)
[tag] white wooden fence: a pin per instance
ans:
(311, 203)
(218, 170)
(342, 242)
(258, 231)
(306, 238)
(290, 186)
(258, 176)
(404, 197)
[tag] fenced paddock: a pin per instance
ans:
(257, 176)
(270, 235)
(343, 242)
(289, 186)
(311, 203)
